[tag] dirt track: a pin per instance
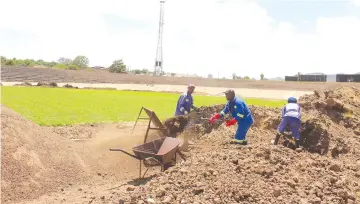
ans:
(20, 74)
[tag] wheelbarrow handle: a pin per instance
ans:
(125, 152)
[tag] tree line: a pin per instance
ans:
(79, 62)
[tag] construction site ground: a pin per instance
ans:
(74, 165)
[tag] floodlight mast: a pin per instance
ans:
(159, 52)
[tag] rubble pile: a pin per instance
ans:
(326, 171)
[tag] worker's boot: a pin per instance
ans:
(277, 137)
(239, 142)
(297, 146)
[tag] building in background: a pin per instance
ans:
(291, 78)
(348, 77)
(331, 78)
(320, 77)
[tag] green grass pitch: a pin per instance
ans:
(61, 106)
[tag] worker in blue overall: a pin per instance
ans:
(291, 116)
(185, 102)
(241, 115)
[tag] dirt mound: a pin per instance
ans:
(257, 173)
(326, 116)
(24, 84)
(70, 86)
(254, 175)
(341, 105)
(218, 172)
(51, 84)
(34, 161)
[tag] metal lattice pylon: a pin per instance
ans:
(159, 55)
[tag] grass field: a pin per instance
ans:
(61, 106)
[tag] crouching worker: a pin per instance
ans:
(241, 115)
(291, 116)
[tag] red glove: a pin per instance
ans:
(215, 117)
(230, 122)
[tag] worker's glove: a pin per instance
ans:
(215, 117)
(185, 112)
(231, 122)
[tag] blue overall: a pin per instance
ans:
(291, 115)
(185, 103)
(241, 112)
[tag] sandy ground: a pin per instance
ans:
(215, 91)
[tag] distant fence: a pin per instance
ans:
(324, 78)
(291, 78)
(348, 77)
(320, 78)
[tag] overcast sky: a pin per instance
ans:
(247, 37)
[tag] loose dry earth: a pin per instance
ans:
(24, 74)
(40, 163)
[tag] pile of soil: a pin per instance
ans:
(70, 86)
(24, 84)
(342, 105)
(51, 84)
(34, 161)
(326, 171)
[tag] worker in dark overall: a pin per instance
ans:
(241, 115)
(291, 116)
(185, 102)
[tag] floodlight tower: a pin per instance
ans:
(159, 56)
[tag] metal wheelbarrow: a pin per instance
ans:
(163, 151)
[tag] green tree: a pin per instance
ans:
(61, 66)
(72, 67)
(81, 61)
(65, 61)
(19, 62)
(40, 62)
(117, 66)
(247, 78)
(144, 71)
(9, 62)
(29, 62)
(52, 64)
(137, 71)
(3, 60)
(262, 76)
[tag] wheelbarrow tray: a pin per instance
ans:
(162, 149)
